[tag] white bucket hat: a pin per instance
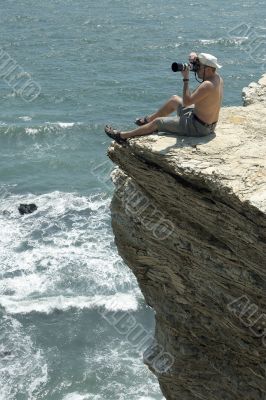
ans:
(209, 60)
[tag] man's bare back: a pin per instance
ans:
(208, 108)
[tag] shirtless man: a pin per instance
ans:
(197, 112)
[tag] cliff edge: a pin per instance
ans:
(189, 219)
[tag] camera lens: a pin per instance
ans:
(174, 67)
(179, 67)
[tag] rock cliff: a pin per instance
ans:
(189, 220)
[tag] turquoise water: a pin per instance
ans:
(95, 63)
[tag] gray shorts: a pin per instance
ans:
(184, 124)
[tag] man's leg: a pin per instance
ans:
(146, 129)
(170, 106)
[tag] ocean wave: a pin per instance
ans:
(23, 366)
(67, 124)
(163, 46)
(230, 41)
(34, 130)
(78, 396)
(64, 248)
(142, 386)
(117, 302)
(25, 118)
(31, 131)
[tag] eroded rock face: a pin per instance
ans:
(189, 220)
(255, 92)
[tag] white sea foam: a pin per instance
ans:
(208, 41)
(25, 118)
(147, 398)
(48, 127)
(78, 396)
(233, 40)
(23, 367)
(61, 256)
(31, 131)
(117, 302)
(125, 363)
(65, 124)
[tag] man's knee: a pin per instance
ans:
(156, 123)
(176, 100)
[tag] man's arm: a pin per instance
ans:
(199, 94)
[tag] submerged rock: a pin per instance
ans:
(189, 219)
(5, 353)
(27, 208)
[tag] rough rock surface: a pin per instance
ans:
(255, 92)
(189, 220)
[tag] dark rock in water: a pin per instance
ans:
(5, 353)
(27, 208)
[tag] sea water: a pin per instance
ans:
(63, 285)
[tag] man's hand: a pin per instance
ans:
(192, 57)
(185, 73)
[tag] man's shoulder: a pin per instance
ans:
(207, 85)
(213, 83)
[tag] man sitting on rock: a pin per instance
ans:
(197, 112)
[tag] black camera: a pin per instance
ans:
(193, 66)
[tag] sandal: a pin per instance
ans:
(114, 134)
(142, 121)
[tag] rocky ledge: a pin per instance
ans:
(189, 220)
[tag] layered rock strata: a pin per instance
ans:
(189, 220)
